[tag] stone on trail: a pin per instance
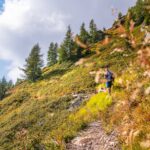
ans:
(94, 138)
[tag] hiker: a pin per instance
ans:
(109, 79)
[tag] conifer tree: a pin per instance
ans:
(79, 52)
(33, 64)
(95, 35)
(120, 15)
(56, 51)
(140, 13)
(19, 81)
(84, 35)
(66, 48)
(62, 54)
(93, 32)
(3, 88)
(52, 54)
(9, 84)
(68, 43)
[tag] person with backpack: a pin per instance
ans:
(109, 79)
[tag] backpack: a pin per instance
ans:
(109, 76)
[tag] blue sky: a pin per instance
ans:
(23, 23)
(1, 4)
(3, 63)
(3, 66)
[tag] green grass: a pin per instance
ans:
(79, 119)
(41, 108)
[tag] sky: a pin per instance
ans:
(23, 23)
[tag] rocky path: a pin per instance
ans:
(94, 138)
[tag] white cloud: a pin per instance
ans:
(24, 23)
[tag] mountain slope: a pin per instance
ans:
(49, 113)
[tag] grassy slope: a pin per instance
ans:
(36, 114)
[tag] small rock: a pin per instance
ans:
(123, 35)
(147, 37)
(80, 62)
(139, 85)
(78, 98)
(94, 138)
(147, 91)
(125, 55)
(120, 81)
(147, 73)
(148, 136)
(145, 144)
(136, 133)
(117, 50)
(135, 94)
(92, 72)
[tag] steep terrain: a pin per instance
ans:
(50, 113)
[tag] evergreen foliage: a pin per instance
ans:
(139, 13)
(52, 54)
(93, 32)
(79, 52)
(62, 53)
(66, 49)
(10, 84)
(84, 35)
(95, 35)
(19, 81)
(120, 15)
(33, 64)
(4, 87)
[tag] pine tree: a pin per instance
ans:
(120, 15)
(104, 29)
(84, 35)
(140, 13)
(68, 43)
(3, 88)
(62, 54)
(55, 52)
(95, 35)
(19, 81)
(52, 54)
(93, 32)
(146, 6)
(66, 48)
(79, 52)
(9, 84)
(33, 65)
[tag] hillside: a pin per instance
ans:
(49, 114)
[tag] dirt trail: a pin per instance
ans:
(94, 138)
